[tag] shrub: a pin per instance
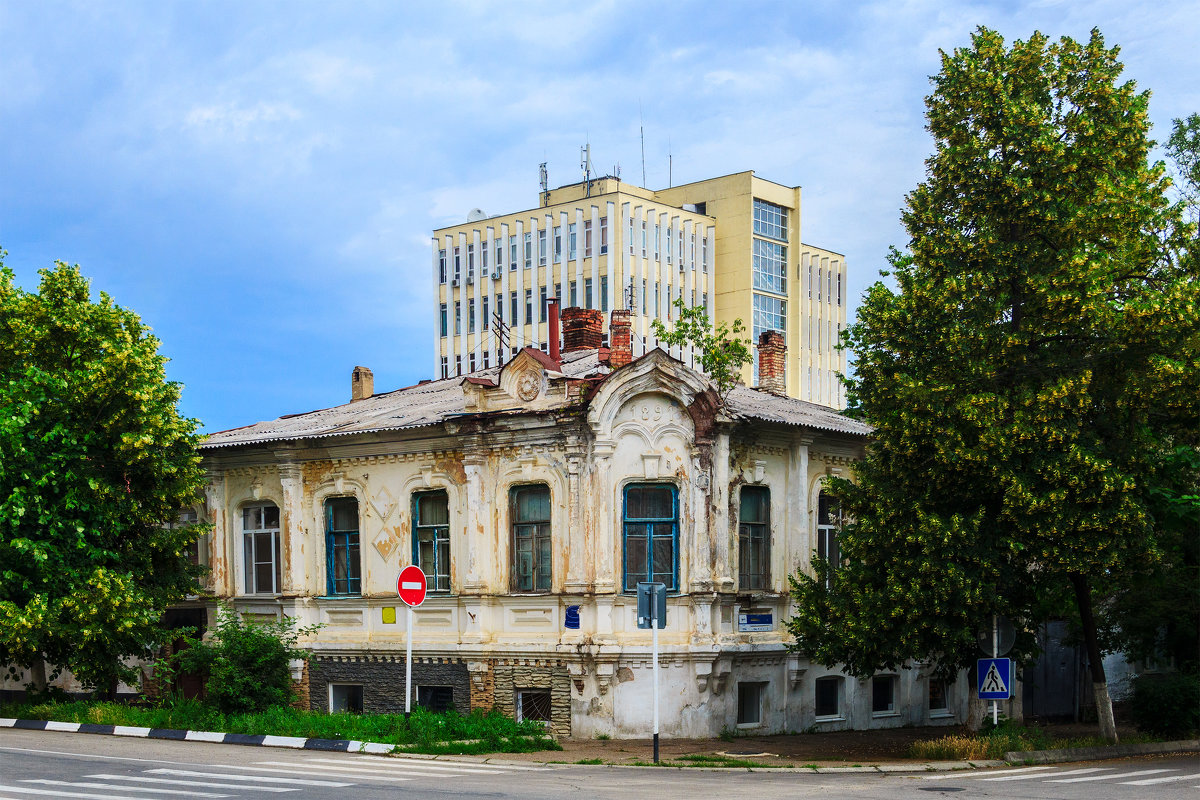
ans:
(246, 663)
(1166, 705)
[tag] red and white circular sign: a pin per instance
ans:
(411, 585)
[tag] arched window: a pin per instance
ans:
(754, 538)
(431, 538)
(529, 507)
(260, 547)
(343, 564)
(829, 519)
(651, 535)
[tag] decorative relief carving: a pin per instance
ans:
(529, 386)
(384, 503)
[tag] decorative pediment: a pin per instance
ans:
(655, 372)
(523, 382)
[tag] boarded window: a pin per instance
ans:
(532, 559)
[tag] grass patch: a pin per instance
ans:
(1005, 738)
(590, 761)
(424, 732)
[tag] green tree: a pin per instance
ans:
(1024, 379)
(94, 458)
(723, 353)
(246, 664)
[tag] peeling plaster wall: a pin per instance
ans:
(652, 422)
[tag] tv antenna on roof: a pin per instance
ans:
(544, 182)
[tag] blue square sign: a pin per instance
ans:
(995, 678)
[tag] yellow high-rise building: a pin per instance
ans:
(731, 244)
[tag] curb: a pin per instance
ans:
(291, 742)
(1097, 753)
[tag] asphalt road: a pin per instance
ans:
(35, 765)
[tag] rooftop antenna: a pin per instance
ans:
(670, 164)
(642, 132)
(585, 163)
(544, 181)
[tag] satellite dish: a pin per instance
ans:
(1006, 636)
(475, 215)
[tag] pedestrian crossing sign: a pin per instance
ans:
(995, 678)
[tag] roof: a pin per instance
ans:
(434, 402)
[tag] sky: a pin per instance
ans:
(260, 180)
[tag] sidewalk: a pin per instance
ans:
(887, 749)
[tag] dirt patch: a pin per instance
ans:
(836, 748)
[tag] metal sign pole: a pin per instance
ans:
(995, 654)
(408, 666)
(654, 640)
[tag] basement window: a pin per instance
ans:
(883, 695)
(346, 698)
(750, 704)
(436, 698)
(533, 704)
(828, 698)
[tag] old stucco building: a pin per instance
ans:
(540, 491)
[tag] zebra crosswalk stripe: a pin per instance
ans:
(1043, 775)
(248, 778)
(1152, 781)
(386, 767)
(205, 784)
(958, 775)
(457, 764)
(81, 785)
(59, 793)
(1111, 777)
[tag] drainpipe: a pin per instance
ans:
(555, 353)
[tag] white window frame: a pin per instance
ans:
(341, 684)
(249, 535)
(840, 713)
(893, 681)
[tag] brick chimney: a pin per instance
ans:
(620, 345)
(582, 329)
(362, 384)
(771, 352)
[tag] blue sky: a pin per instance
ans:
(259, 180)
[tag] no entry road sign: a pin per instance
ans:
(411, 585)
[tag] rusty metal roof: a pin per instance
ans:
(434, 402)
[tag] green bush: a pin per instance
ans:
(1166, 705)
(246, 663)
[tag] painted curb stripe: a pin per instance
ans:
(334, 745)
(7, 723)
(204, 736)
(69, 727)
(284, 741)
(125, 730)
(30, 724)
(166, 733)
(89, 727)
(243, 738)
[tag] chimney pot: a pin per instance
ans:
(362, 384)
(771, 352)
(619, 342)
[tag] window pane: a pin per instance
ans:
(635, 553)
(827, 697)
(343, 514)
(827, 509)
(664, 557)
(248, 562)
(264, 574)
(755, 500)
(532, 504)
(433, 508)
(251, 518)
(270, 516)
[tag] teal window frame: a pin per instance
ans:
(343, 555)
(435, 563)
(650, 529)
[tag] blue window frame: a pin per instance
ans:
(343, 566)
(651, 535)
(431, 538)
